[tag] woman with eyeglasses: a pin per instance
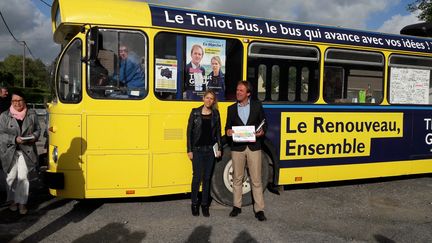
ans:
(19, 131)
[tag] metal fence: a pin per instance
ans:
(39, 108)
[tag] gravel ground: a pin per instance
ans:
(397, 210)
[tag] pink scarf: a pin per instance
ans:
(19, 115)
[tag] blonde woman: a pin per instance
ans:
(203, 131)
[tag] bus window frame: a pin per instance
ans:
(59, 63)
(146, 72)
(185, 35)
(295, 59)
(331, 62)
(390, 65)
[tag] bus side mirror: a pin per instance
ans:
(93, 44)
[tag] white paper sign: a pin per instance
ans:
(409, 86)
(166, 75)
(27, 138)
(216, 149)
(243, 134)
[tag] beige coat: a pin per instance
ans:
(9, 130)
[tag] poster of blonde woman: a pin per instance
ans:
(205, 65)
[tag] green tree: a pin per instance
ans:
(37, 77)
(6, 78)
(424, 7)
(12, 65)
(36, 72)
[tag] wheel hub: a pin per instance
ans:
(228, 179)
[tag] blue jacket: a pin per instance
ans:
(131, 73)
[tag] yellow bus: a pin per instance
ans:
(340, 104)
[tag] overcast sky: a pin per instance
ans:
(29, 20)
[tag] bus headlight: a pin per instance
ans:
(55, 154)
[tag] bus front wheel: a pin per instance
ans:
(222, 180)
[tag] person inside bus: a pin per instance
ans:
(203, 132)
(246, 112)
(216, 79)
(332, 87)
(329, 87)
(195, 73)
(19, 131)
(98, 78)
(130, 73)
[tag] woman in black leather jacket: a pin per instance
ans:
(203, 132)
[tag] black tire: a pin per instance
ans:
(221, 183)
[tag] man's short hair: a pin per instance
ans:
(247, 84)
(196, 46)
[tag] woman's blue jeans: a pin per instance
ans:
(202, 165)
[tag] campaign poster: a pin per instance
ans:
(205, 66)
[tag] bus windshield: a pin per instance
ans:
(119, 71)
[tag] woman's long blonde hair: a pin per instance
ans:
(217, 58)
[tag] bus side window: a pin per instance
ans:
(417, 71)
(284, 73)
(352, 76)
(186, 66)
(168, 68)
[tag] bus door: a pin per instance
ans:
(117, 114)
(66, 144)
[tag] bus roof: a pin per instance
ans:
(135, 13)
(69, 15)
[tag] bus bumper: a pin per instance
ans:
(53, 180)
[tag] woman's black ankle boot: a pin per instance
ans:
(195, 209)
(205, 210)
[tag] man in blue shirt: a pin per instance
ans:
(246, 112)
(130, 73)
